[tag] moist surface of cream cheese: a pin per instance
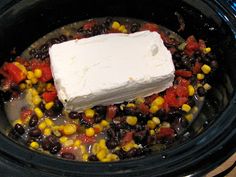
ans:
(110, 68)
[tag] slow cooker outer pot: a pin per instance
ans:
(22, 22)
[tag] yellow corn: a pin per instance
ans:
(34, 145)
(28, 83)
(34, 92)
(17, 121)
(115, 25)
(189, 117)
(96, 148)
(186, 107)
(165, 124)
(101, 154)
(191, 90)
(152, 132)
(63, 139)
(151, 124)
(200, 76)
(130, 105)
(128, 146)
(85, 157)
(102, 143)
(49, 105)
(207, 86)
(89, 131)
(158, 101)
(38, 112)
(42, 125)
(37, 73)
(22, 86)
(154, 109)
(206, 69)
(30, 75)
(21, 67)
(122, 28)
(36, 100)
(69, 129)
(131, 120)
(68, 143)
(112, 157)
(47, 131)
(124, 31)
(48, 122)
(104, 123)
(206, 50)
(156, 120)
(82, 149)
(139, 100)
(34, 80)
(98, 127)
(89, 113)
(77, 143)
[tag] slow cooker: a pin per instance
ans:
(211, 137)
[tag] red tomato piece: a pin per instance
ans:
(191, 46)
(149, 26)
(111, 111)
(201, 44)
(143, 108)
(183, 82)
(181, 101)
(183, 73)
(15, 73)
(69, 149)
(46, 73)
(25, 114)
(89, 25)
(166, 132)
(197, 67)
(127, 138)
(49, 96)
(85, 139)
(181, 91)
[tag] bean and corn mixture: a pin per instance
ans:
(114, 132)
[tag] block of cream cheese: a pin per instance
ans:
(110, 68)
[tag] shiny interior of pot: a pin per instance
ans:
(28, 20)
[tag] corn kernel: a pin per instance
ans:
(113, 157)
(38, 112)
(96, 148)
(34, 92)
(206, 69)
(200, 76)
(36, 100)
(152, 132)
(131, 120)
(82, 149)
(89, 113)
(34, 80)
(98, 128)
(122, 106)
(17, 121)
(42, 125)
(49, 105)
(128, 146)
(104, 123)
(30, 75)
(56, 133)
(156, 120)
(121, 28)
(28, 83)
(154, 109)
(139, 100)
(124, 31)
(21, 67)
(102, 143)
(158, 101)
(48, 122)
(165, 124)
(115, 25)
(47, 131)
(207, 86)
(68, 143)
(191, 90)
(22, 86)
(189, 117)
(34, 145)
(85, 157)
(77, 143)
(130, 105)
(207, 50)
(101, 154)
(63, 139)
(38, 73)
(151, 124)
(89, 131)
(186, 107)
(69, 129)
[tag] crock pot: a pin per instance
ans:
(211, 138)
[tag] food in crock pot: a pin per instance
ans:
(104, 133)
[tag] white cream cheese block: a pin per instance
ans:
(110, 68)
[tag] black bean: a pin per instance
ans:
(101, 110)
(13, 134)
(92, 158)
(46, 145)
(19, 129)
(129, 111)
(67, 155)
(97, 119)
(121, 154)
(57, 107)
(35, 132)
(139, 127)
(161, 114)
(63, 38)
(140, 137)
(201, 91)
(55, 148)
(112, 143)
(173, 114)
(75, 115)
(191, 102)
(131, 153)
(134, 27)
(214, 64)
(33, 121)
(42, 106)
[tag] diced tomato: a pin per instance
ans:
(197, 67)
(14, 73)
(127, 138)
(25, 114)
(149, 26)
(181, 91)
(201, 44)
(165, 132)
(143, 108)
(69, 149)
(111, 111)
(183, 73)
(171, 100)
(191, 46)
(89, 25)
(181, 101)
(182, 81)
(85, 139)
(46, 73)
(49, 96)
